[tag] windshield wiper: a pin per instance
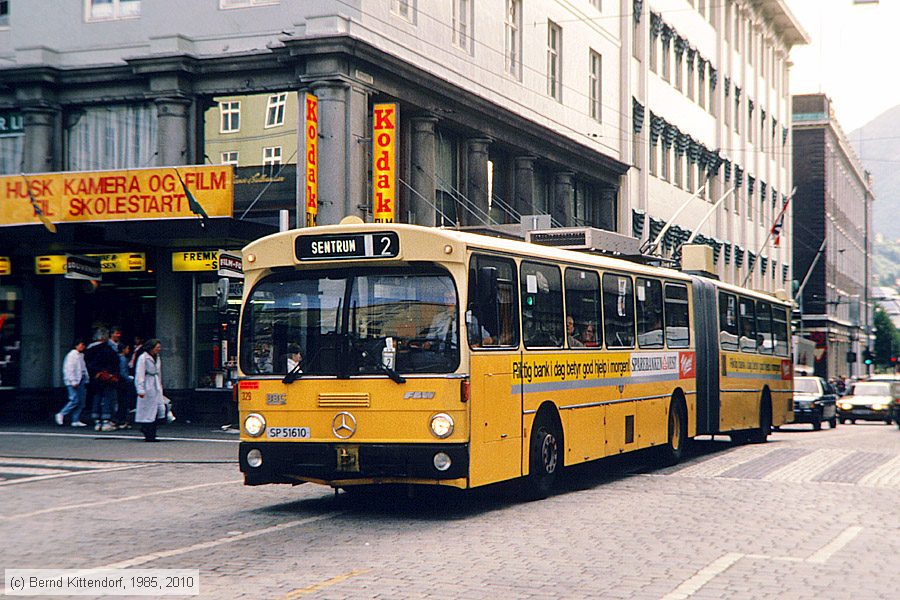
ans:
(391, 373)
(294, 374)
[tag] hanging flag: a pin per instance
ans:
(38, 211)
(778, 225)
(195, 206)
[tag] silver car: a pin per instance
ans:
(866, 401)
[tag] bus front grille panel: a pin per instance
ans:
(344, 400)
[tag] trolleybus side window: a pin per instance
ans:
(728, 323)
(748, 325)
(764, 343)
(678, 326)
(780, 330)
(492, 313)
(542, 310)
(582, 308)
(618, 311)
(649, 313)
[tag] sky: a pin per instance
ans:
(851, 56)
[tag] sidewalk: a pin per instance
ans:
(180, 442)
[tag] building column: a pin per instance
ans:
(173, 131)
(40, 151)
(562, 205)
(36, 358)
(342, 131)
(422, 199)
(608, 208)
(174, 312)
(524, 198)
(476, 211)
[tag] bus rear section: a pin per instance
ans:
(351, 376)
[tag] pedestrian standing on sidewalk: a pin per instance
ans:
(151, 404)
(103, 367)
(126, 388)
(75, 376)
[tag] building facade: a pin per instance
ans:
(604, 114)
(833, 239)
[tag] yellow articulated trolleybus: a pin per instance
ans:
(375, 353)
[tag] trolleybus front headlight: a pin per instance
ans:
(442, 425)
(254, 424)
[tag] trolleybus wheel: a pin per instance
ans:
(761, 434)
(545, 459)
(677, 439)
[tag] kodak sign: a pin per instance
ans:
(384, 168)
(137, 194)
(311, 185)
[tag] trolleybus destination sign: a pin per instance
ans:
(359, 245)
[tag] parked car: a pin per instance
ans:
(867, 401)
(894, 410)
(815, 400)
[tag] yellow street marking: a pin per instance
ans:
(322, 585)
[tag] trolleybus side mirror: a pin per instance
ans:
(486, 299)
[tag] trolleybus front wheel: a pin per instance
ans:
(761, 434)
(672, 452)
(545, 459)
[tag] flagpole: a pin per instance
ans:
(769, 235)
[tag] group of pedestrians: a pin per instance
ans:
(116, 381)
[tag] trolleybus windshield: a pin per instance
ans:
(351, 322)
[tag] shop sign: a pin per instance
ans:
(11, 123)
(98, 196)
(311, 137)
(121, 262)
(195, 260)
(384, 167)
(5, 266)
(83, 267)
(231, 264)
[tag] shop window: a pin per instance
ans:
(271, 159)
(230, 112)
(582, 308)
(215, 333)
(492, 316)
(728, 324)
(275, 110)
(618, 311)
(542, 308)
(678, 326)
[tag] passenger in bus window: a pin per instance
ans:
(573, 341)
(589, 336)
(263, 358)
(443, 329)
(294, 358)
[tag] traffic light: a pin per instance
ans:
(867, 356)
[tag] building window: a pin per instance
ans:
(664, 166)
(701, 85)
(654, 157)
(678, 177)
(596, 83)
(554, 60)
(679, 78)
(654, 48)
(737, 114)
(271, 159)
(231, 116)
(230, 158)
(226, 4)
(727, 20)
(275, 110)
(107, 10)
(4, 13)
(666, 61)
(463, 18)
(690, 79)
(405, 9)
(689, 184)
(513, 37)
(111, 137)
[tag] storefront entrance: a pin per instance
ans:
(124, 299)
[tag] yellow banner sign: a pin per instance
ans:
(115, 195)
(312, 159)
(121, 262)
(5, 266)
(195, 260)
(384, 167)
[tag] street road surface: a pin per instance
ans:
(808, 515)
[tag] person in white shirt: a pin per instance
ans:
(294, 358)
(76, 378)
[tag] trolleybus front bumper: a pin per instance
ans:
(326, 462)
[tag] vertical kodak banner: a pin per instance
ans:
(311, 145)
(384, 167)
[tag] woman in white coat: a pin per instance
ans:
(151, 404)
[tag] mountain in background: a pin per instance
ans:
(877, 143)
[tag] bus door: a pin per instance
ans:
(492, 322)
(706, 332)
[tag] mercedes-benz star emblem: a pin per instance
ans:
(343, 425)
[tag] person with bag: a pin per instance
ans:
(151, 403)
(103, 367)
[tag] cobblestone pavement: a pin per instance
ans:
(808, 515)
